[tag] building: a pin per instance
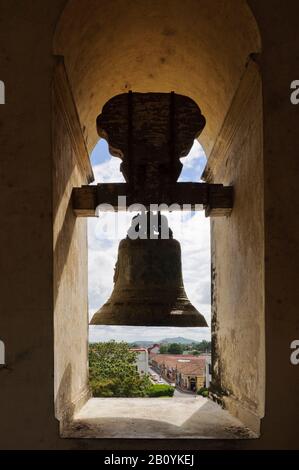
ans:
(152, 351)
(187, 372)
(141, 360)
(165, 365)
(190, 374)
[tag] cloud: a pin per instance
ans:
(193, 232)
(133, 333)
(196, 153)
(193, 164)
(108, 172)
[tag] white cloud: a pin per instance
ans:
(193, 157)
(108, 172)
(195, 247)
(133, 333)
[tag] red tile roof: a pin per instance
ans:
(185, 364)
(156, 345)
(191, 368)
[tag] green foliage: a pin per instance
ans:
(102, 387)
(203, 346)
(194, 348)
(204, 392)
(112, 371)
(160, 390)
(175, 348)
(164, 349)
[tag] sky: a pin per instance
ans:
(105, 232)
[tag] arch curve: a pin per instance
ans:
(197, 48)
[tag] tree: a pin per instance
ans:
(113, 372)
(203, 346)
(163, 349)
(175, 348)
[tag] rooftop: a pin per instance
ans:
(193, 365)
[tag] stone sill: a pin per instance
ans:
(154, 418)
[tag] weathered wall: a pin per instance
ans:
(237, 245)
(70, 168)
(279, 65)
(26, 236)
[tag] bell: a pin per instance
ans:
(149, 289)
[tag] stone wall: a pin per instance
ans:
(71, 168)
(237, 244)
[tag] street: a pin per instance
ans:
(177, 393)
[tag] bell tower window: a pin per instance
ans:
(209, 58)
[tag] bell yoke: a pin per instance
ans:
(151, 132)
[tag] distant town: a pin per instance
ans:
(170, 367)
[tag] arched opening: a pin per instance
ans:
(104, 236)
(202, 50)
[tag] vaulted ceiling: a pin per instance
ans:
(198, 48)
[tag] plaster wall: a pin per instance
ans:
(26, 233)
(237, 245)
(70, 254)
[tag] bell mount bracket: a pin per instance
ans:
(150, 133)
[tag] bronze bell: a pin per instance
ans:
(149, 289)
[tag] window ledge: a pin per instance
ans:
(154, 418)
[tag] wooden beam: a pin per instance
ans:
(216, 199)
(220, 200)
